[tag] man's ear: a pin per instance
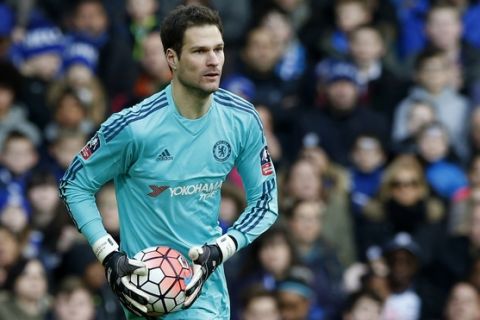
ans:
(172, 58)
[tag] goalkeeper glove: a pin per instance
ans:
(206, 259)
(118, 267)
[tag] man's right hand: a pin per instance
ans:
(118, 267)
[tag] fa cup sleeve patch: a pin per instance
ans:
(90, 147)
(266, 162)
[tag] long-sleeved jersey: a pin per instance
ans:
(168, 171)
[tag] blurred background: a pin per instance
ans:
(371, 110)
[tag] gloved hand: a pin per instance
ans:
(205, 260)
(118, 267)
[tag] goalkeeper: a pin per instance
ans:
(168, 157)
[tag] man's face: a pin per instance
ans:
(153, 59)
(262, 50)
(342, 95)
(444, 28)
(91, 19)
(200, 65)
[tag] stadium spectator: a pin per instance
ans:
(257, 61)
(404, 204)
(369, 159)
(18, 157)
(141, 19)
(432, 76)
(27, 292)
(339, 121)
(257, 303)
(70, 113)
(363, 305)
(402, 255)
(381, 89)
(116, 68)
(306, 223)
(292, 63)
(420, 113)
(12, 115)
(463, 202)
(39, 59)
(10, 251)
(267, 263)
(73, 301)
(444, 30)
(445, 177)
(79, 262)
(154, 72)
(463, 303)
(309, 180)
(48, 224)
(334, 177)
(62, 150)
(79, 74)
(296, 297)
(349, 14)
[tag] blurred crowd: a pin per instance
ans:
(371, 110)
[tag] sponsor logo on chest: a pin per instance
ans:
(203, 190)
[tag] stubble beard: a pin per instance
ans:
(196, 89)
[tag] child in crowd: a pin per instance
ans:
(452, 109)
(27, 290)
(18, 157)
(446, 178)
(349, 14)
(368, 158)
(63, 149)
(363, 305)
(259, 304)
(70, 114)
(420, 113)
(73, 300)
(381, 89)
(463, 303)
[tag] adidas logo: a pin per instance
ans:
(165, 155)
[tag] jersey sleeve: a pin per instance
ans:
(107, 154)
(258, 175)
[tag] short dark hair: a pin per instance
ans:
(180, 19)
(354, 297)
(444, 5)
(427, 54)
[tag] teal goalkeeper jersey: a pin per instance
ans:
(168, 172)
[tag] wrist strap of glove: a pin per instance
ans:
(227, 246)
(104, 246)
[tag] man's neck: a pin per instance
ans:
(191, 104)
